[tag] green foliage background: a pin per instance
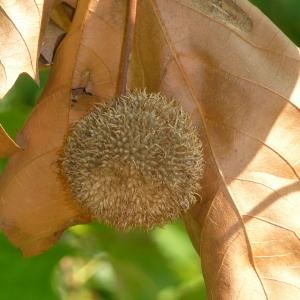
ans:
(96, 262)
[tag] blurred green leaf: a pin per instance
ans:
(28, 278)
(16, 106)
(285, 14)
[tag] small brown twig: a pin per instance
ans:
(127, 47)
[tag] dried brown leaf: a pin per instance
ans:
(21, 27)
(60, 17)
(46, 210)
(238, 76)
(53, 36)
(34, 223)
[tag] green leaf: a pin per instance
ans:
(28, 278)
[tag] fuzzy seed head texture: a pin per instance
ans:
(134, 162)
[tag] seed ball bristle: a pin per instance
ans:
(134, 162)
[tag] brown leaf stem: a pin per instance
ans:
(127, 47)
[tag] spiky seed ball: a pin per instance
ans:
(134, 162)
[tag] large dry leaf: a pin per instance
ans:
(21, 24)
(238, 77)
(35, 209)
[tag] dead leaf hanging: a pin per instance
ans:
(22, 24)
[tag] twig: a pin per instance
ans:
(127, 47)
